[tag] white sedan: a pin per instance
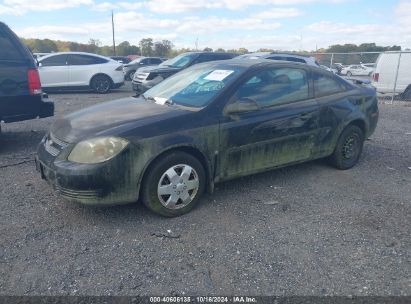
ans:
(77, 70)
(357, 70)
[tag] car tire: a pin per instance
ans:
(130, 75)
(348, 149)
(101, 84)
(349, 74)
(181, 177)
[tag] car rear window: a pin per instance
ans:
(325, 85)
(8, 49)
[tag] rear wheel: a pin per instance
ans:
(101, 84)
(173, 184)
(349, 148)
(349, 74)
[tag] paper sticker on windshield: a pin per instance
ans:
(160, 100)
(218, 75)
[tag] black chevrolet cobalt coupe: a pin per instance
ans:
(209, 123)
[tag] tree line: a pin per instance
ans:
(165, 48)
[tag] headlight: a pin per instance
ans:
(97, 150)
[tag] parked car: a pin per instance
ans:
(146, 78)
(21, 97)
(332, 70)
(130, 68)
(385, 74)
(283, 57)
(212, 122)
(77, 70)
(356, 70)
(39, 55)
(338, 66)
(121, 59)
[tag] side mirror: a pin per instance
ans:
(242, 105)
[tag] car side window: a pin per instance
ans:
(204, 58)
(8, 50)
(79, 59)
(275, 86)
(57, 60)
(276, 58)
(155, 61)
(325, 85)
(145, 61)
(294, 59)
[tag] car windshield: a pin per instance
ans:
(194, 87)
(179, 61)
(136, 60)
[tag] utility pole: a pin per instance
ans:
(112, 26)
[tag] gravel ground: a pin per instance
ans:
(303, 230)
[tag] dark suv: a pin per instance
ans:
(147, 77)
(21, 97)
(130, 68)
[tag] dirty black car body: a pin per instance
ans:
(256, 116)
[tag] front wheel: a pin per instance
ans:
(173, 184)
(349, 74)
(101, 84)
(349, 148)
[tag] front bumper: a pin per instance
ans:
(46, 107)
(107, 183)
(138, 87)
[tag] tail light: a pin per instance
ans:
(34, 81)
(376, 77)
(120, 68)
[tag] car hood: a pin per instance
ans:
(159, 69)
(111, 119)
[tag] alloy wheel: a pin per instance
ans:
(178, 186)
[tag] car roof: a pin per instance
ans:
(73, 53)
(235, 62)
(208, 53)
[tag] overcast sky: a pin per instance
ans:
(253, 24)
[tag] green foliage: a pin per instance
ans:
(163, 48)
(146, 46)
(364, 47)
(125, 49)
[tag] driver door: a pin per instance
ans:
(283, 130)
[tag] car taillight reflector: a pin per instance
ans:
(376, 77)
(34, 82)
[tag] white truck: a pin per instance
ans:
(385, 77)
